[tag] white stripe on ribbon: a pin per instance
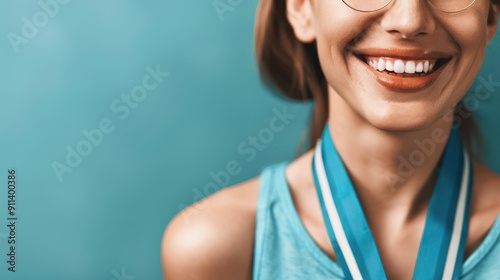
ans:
(451, 258)
(333, 215)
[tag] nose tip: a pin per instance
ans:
(407, 19)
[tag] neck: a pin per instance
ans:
(393, 172)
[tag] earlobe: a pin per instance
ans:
(300, 16)
(492, 20)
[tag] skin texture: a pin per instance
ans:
(371, 126)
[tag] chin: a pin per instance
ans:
(402, 120)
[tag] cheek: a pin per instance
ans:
(469, 32)
(336, 24)
(468, 26)
(337, 27)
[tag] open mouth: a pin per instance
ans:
(403, 69)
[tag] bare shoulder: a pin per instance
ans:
(213, 238)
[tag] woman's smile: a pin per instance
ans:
(403, 69)
(400, 68)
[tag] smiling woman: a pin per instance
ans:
(389, 188)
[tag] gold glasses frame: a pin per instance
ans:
(390, 1)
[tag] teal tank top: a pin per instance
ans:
(283, 248)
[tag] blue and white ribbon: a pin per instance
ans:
(442, 246)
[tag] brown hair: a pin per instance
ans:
(293, 68)
(288, 64)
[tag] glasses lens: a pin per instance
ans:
(447, 6)
(366, 5)
(451, 6)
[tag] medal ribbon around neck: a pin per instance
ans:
(442, 246)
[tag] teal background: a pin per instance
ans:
(108, 215)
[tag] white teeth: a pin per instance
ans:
(419, 68)
(399, 67)
(410, 67)
(389, 66)
(381, 65)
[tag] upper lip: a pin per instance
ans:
(407, 54)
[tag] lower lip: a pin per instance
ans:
(403, 83)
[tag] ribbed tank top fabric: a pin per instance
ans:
(283, 248)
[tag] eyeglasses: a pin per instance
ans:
(446, 6)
